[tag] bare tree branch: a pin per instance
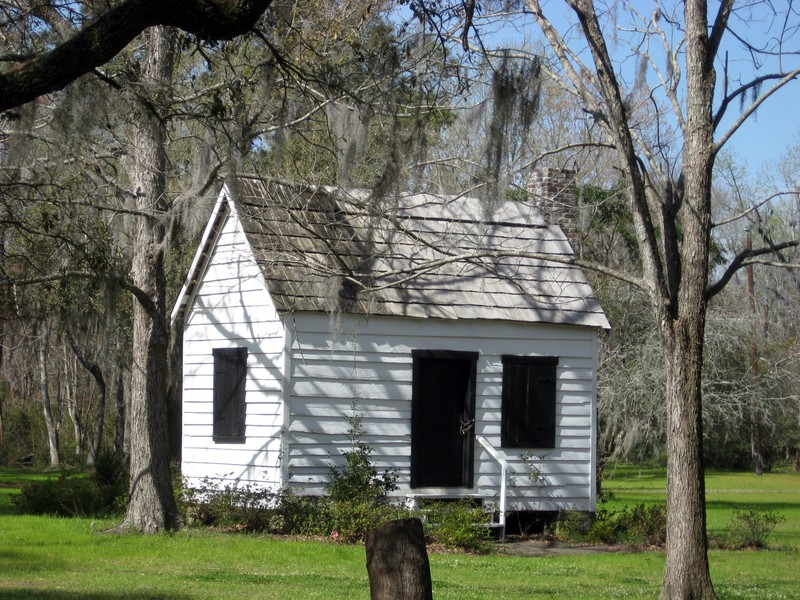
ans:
(615, 120)
(744, 258)
(412, 273)
(718, 30)
(772, 263)
(751, 209)
(50, 278)
(105, 37)
(748, 112)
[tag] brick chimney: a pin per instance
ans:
(554, 192)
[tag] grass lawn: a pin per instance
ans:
(726, 492)
(65, 559)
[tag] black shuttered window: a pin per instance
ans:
(529, 402)
(230, 374)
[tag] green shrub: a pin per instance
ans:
(604, 527)
(350, 521)
(296, 514)
(216, 504)
(749, 529)
(69, 496)
(358, 480)
(457, 526)
(356, 501)
(250, 509)
(573, 526)
(111, 469)
(23, 433)
(101, 494)
(639, 525)
(642, 525)
(358, 495)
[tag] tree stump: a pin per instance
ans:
(397, 561)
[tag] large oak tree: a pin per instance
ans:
(82, 44)
(667, 166)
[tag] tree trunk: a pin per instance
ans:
(397, 562)
(174, 390)
(44, 387)
(96, 443)
(71, 400)
(120, 447)
(686, 575)
(72, 411)
(100, 406)
(152, 506)
(755, 416)
(2, 342)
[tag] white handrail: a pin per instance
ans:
(503, 472)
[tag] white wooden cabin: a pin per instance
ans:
(459, 333)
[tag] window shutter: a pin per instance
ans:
(230, 375)
(529, 402)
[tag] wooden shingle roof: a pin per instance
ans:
(424, 256)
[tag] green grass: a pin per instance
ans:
(65, 559)
(726, 492)
(10, 481)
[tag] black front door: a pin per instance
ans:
(442, 418)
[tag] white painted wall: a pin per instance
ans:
(232, 308)
(368, 361)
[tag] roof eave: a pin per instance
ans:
(202, 255)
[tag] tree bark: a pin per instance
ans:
(174, 390)
(100, 407)
(152, 506)
(120, 447)
(686, 575)
(72, 406)
(397, 562)
(96, 443)
(106, 36)
(44, 387)
(755, 416)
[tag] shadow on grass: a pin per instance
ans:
(759, 505)
(633, 475)
(12, 594)
(14, 561)
(11, 481)
(9, 510)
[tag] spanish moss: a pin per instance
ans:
(516, 87)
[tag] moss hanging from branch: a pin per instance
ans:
(516, 88)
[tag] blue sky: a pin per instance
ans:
(773, 128)
(765, 136)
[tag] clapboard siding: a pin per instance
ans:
(231, 308)
(366, 366)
